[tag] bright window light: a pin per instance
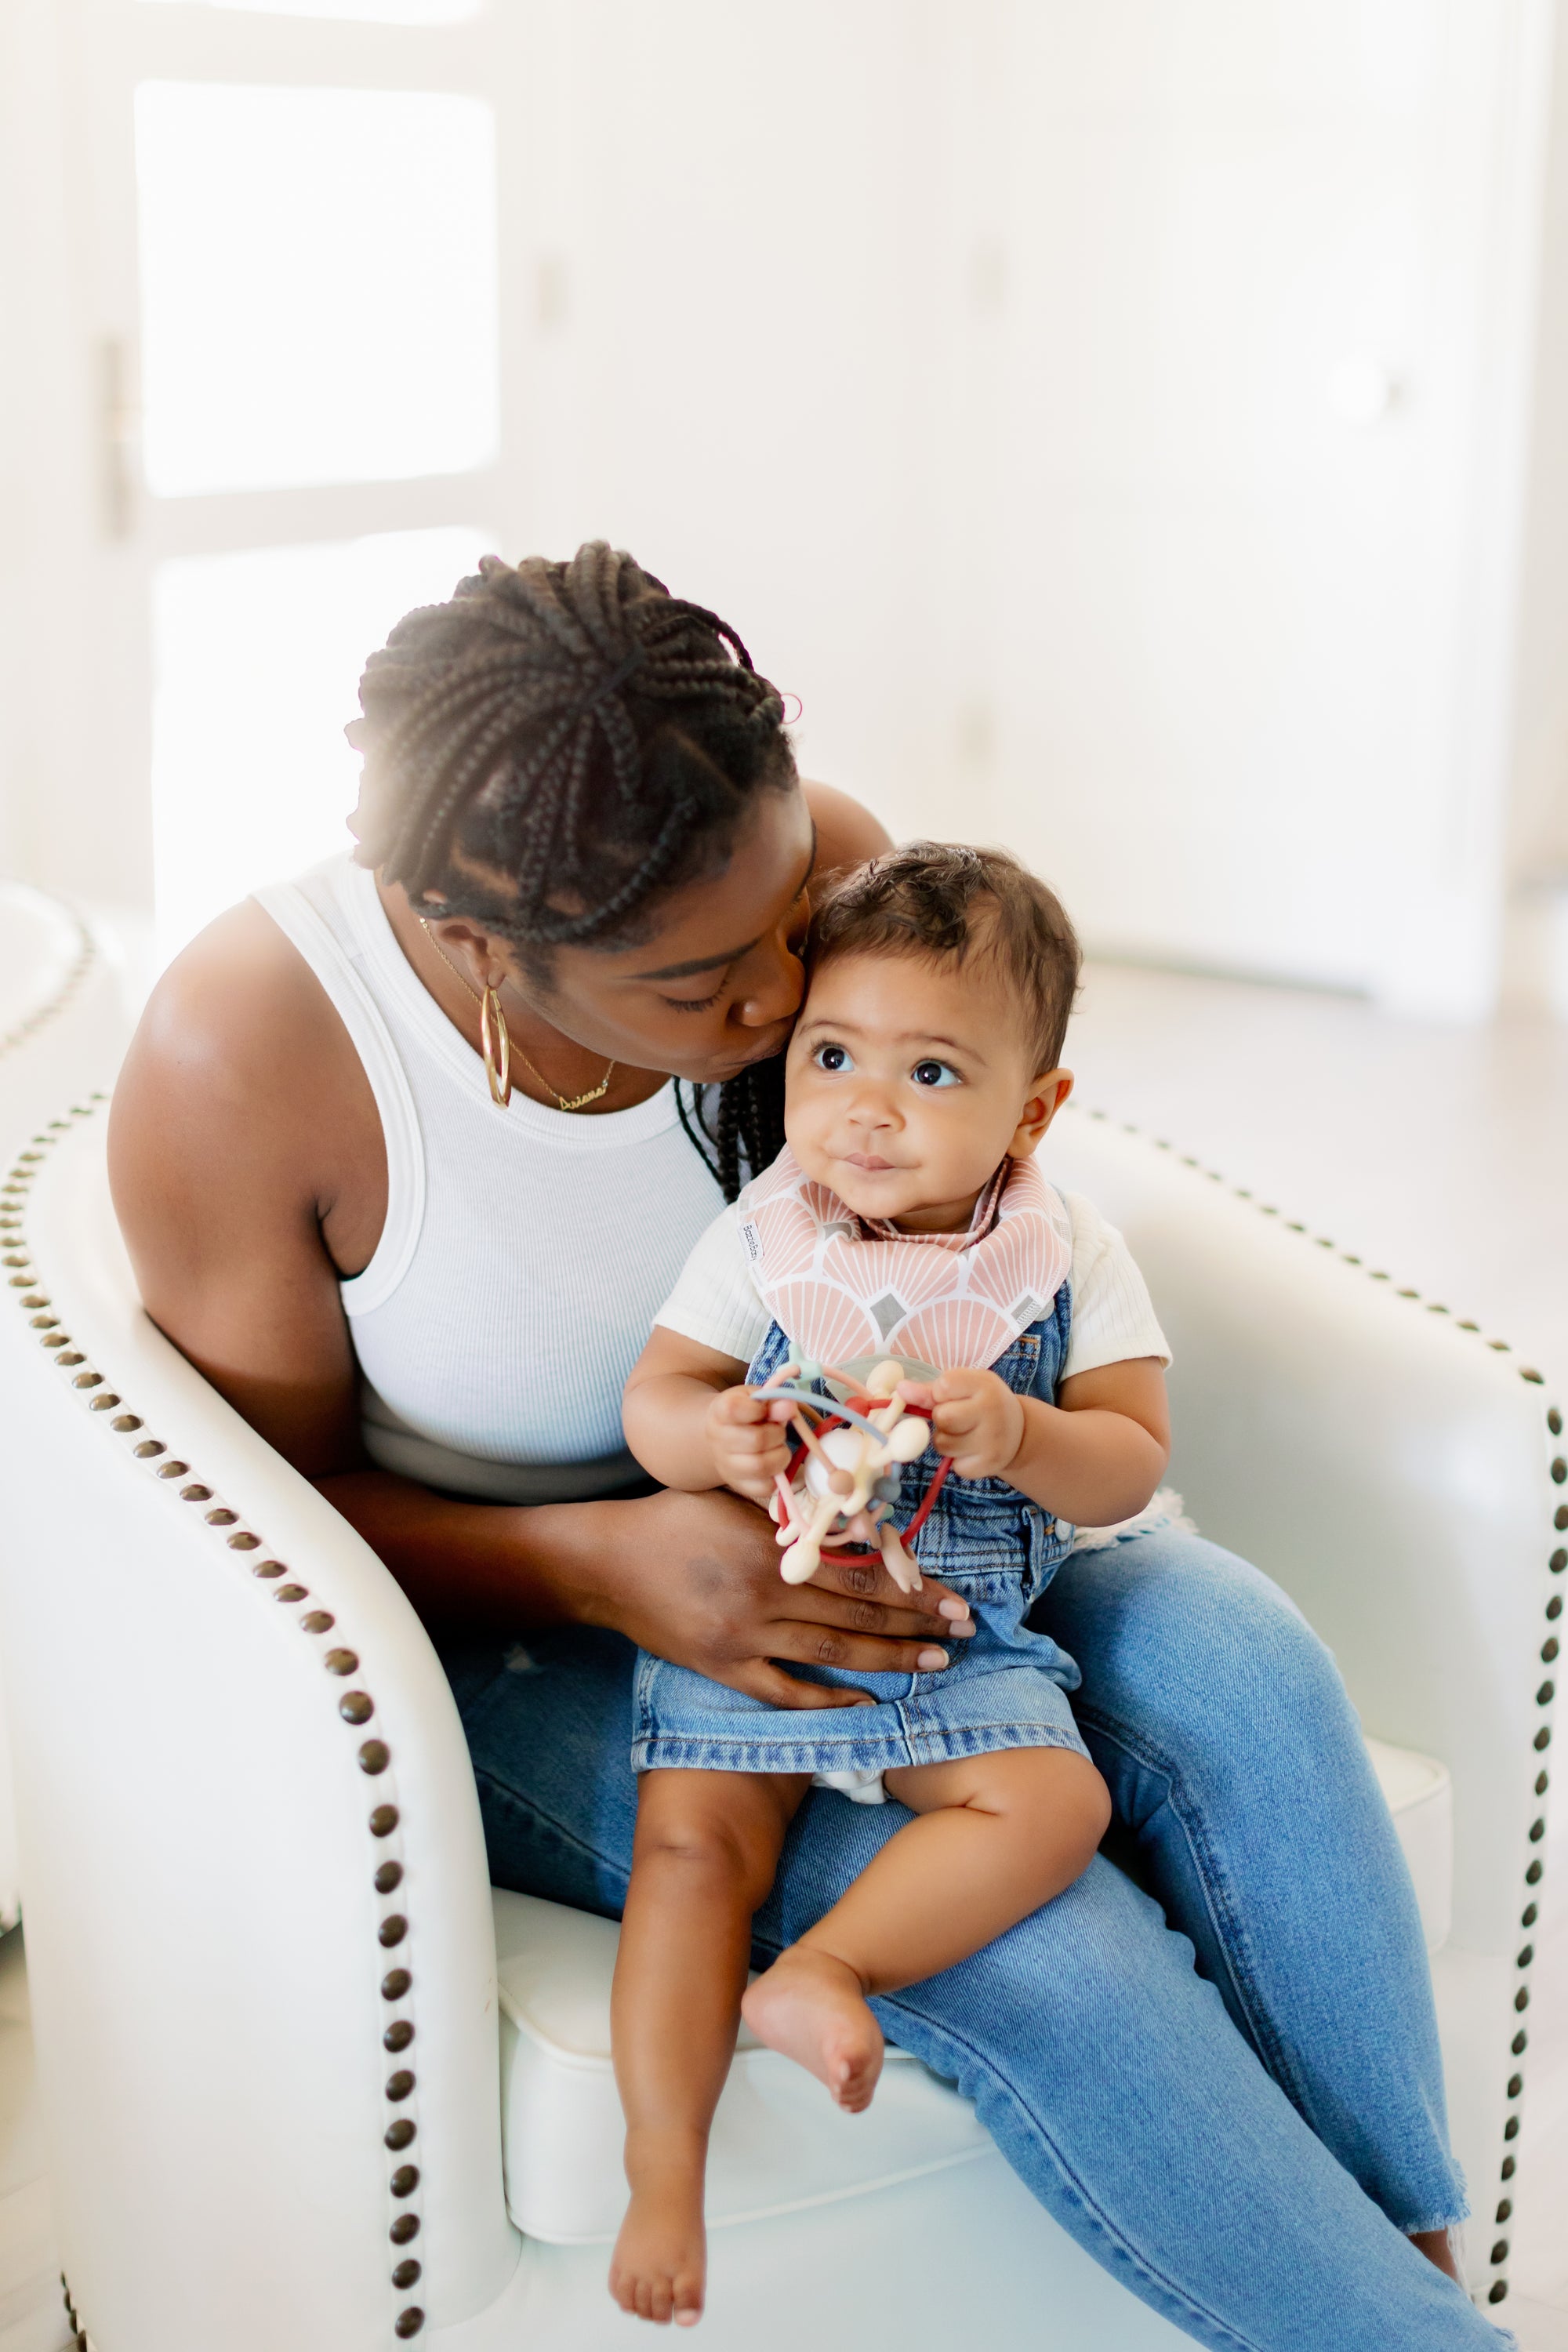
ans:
(257, 657)
(318, 285)
(363, 12)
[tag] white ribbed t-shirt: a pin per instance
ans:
(524, 1250)
(717, 1303)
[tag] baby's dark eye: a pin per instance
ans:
(835, 1058)
(936, 1074)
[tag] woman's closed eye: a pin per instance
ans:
(794, 944)
(695, 1003)
(931, 1073)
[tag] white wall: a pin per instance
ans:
(1005, 370)
(74, 724)
(1011, 374)
(1246, 660)
(1538, 842)
(733, 220)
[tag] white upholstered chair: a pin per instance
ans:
(290, 2100)
(63, 1027)
(63, 1017)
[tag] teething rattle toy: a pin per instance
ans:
(837, 1487)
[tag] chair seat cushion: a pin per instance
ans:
(1420, 1796)
(778, 2141)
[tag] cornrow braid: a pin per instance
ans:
(746, 1133)
(553, 749)
(558, 744)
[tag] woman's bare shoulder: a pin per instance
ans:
(239, 1050)
(248, 1174)
(239, 988)
(847, 832)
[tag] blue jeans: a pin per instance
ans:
(1006, 1686)
(1224, 2083)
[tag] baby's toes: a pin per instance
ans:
(635, 2293)
(858, 2068)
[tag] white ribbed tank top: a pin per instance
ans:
(526, 1251)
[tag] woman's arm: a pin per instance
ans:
(846, 833)
(249, 1178)
(248, 1172)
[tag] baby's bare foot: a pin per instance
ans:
(659, 2266)
(810, 2007)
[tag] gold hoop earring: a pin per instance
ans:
(493, 1027)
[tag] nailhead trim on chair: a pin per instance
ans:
(79, 2335)
(1557, 1561)
(355, 1707)
(86, 957)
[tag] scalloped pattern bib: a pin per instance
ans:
(847, 1288)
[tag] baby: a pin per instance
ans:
(906, 1220)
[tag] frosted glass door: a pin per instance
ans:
(299, 244)
(257, 655)
(318, 285)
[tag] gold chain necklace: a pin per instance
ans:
(501, 1083)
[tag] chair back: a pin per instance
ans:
(64, 1023)
(252, 1862)
(1367, 1451)
(1401, 1475)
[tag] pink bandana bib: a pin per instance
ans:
(848, 1288)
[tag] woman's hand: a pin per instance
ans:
(746, 1435)
(975, 1417)
(695, 1579)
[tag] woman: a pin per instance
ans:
(583, 864)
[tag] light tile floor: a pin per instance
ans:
(32, 2316)
(1437, 1152)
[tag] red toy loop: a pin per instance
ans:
(923, 1509)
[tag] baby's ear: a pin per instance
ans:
(1046, 1096)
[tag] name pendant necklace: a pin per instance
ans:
(491, 1011)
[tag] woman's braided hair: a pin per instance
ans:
(555, 749)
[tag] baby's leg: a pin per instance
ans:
(997, 1836)
(706, 1849)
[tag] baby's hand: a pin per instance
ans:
(975, 1417)
(748, 1436)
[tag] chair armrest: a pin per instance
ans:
(65, 1022)
(64, 1025)
(216, 1897)
(1395, 1474)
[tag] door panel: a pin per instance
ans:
(290, 252)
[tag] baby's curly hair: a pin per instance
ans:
(943, 903)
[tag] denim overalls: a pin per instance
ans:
(1005, 1688)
